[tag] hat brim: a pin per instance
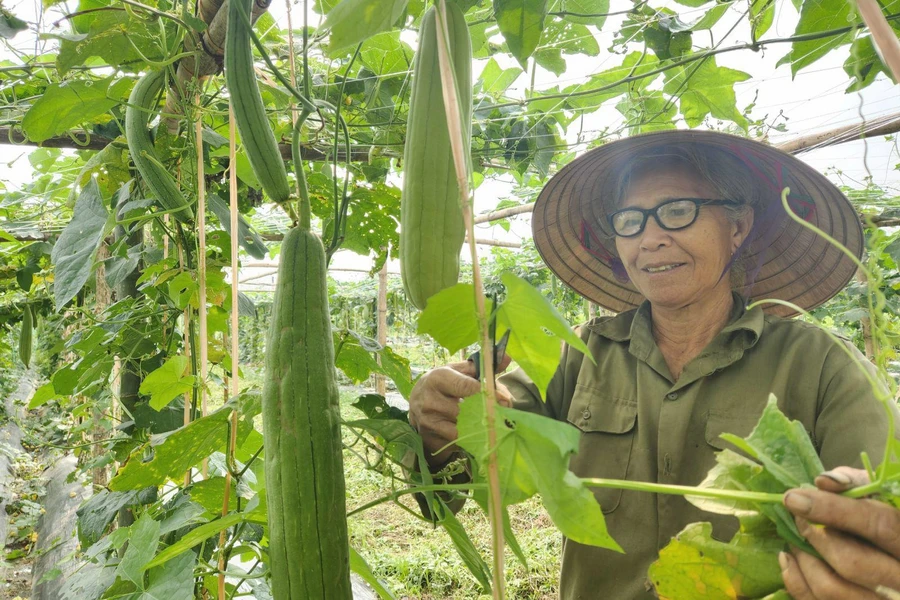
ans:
(790, 262)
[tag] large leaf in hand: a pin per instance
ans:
(694, 566)
(450, 317)
(521, 23)
(73, 254)
(782, 446)
(537, 331)
(533, 457)
(704, 88)
(70, 103)
(353, 21)
(167, 382)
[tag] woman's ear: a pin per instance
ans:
(741, 228)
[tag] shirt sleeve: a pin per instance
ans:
(850, 416)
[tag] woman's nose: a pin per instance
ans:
(654, 237)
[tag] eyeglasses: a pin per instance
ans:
(671, 215)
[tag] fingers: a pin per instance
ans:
(808, 578)
(794, 581)
(874, 522)
(841, 479)
(851, 559)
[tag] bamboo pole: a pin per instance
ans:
(460, 156)
(201, 268)
(381, 330)
(235, 385)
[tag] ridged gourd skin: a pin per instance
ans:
(249, 112)
(26, 336)
(140, 103)
(305, 493)
(432, 230)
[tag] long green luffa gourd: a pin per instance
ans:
(141, 103)
(431, 223)
(249, 111)
(308, 547)
(309, 553)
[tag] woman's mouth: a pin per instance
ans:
(661, 268)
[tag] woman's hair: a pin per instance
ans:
(726, 173)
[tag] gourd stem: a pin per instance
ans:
(303, 206)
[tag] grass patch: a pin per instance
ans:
(419, 561)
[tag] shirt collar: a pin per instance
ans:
(635, 324)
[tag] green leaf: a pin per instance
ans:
(533, 457)
(705, 88)
(762, 15)
(174, 579)
(209, 493)
(65, 105)
(817, 16)
(359, 566)
(174, 452)
(73, 253)
(10, 24)
(353, 21)
(551, 59)
(197, 536)
(450, 317)
(863, 66)
(537, 331)
(647, 111)
(42, 396)
(606, 85)
(120, 267)
(710, 18)
(167, 382)
(782, 446)
(521, 23)
(142, 543)
(467, 551)
(397, 369)
(587, 7)
(374, 406)
(694, 566)
(385, 54)
(495, 80)
(95, 515)
(247, 236)
(113, 36)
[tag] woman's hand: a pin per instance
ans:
(434, 406)
(860, 542)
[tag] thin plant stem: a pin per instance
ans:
(201, 267)
(682, 490)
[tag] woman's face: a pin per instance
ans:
(674, 269)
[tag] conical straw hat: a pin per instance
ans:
(783, 259)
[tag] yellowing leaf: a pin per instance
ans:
(167, 382)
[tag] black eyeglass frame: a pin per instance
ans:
(698, 202)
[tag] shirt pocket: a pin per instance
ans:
(608, 425)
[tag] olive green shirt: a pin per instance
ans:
(638, 423)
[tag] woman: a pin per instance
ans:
(684, 226)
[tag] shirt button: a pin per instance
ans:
(672, 396)
(586, 414)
